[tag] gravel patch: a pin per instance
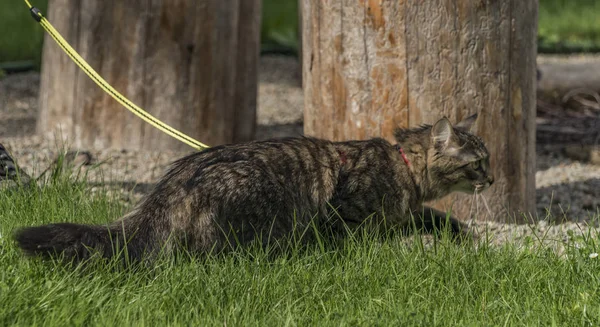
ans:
(563, 73)
(567, 188)
(280, 98)
(19, 104)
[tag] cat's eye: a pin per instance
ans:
(475, 165)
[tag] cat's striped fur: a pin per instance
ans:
(264, 190)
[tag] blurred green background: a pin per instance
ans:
(565, 26)
(569, 26)
(20, 36)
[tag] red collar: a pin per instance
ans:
(343, 157)
(403, 156)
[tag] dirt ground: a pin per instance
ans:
(568, 169)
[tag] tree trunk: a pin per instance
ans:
(370, 66)
(192, 64)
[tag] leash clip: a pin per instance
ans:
(36, 14)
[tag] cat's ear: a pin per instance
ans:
(443, 137)
(467, 124)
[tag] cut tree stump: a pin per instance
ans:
(192, 64)
(370, 66)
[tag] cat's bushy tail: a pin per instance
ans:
(79, 242)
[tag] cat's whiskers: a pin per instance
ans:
(473, 218)
(471, 206)
(486, 205)
(476, 203)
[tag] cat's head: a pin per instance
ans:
(458, 158)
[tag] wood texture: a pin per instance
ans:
(192, 64)
(372, 65)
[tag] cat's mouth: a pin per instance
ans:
(480, 187)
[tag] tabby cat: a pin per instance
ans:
(262, 191)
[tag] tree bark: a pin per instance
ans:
(372, 65)
(192, 64)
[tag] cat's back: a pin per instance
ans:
(291, 156)
(301, 167)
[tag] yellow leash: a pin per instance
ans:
(37, 15)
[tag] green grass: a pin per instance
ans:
(21, 37)
(569, 26)
(364, 281)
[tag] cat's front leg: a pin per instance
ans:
(432, 221)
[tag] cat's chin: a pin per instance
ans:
(473, 189)
(464, 188)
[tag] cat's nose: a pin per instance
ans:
(491, 179)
